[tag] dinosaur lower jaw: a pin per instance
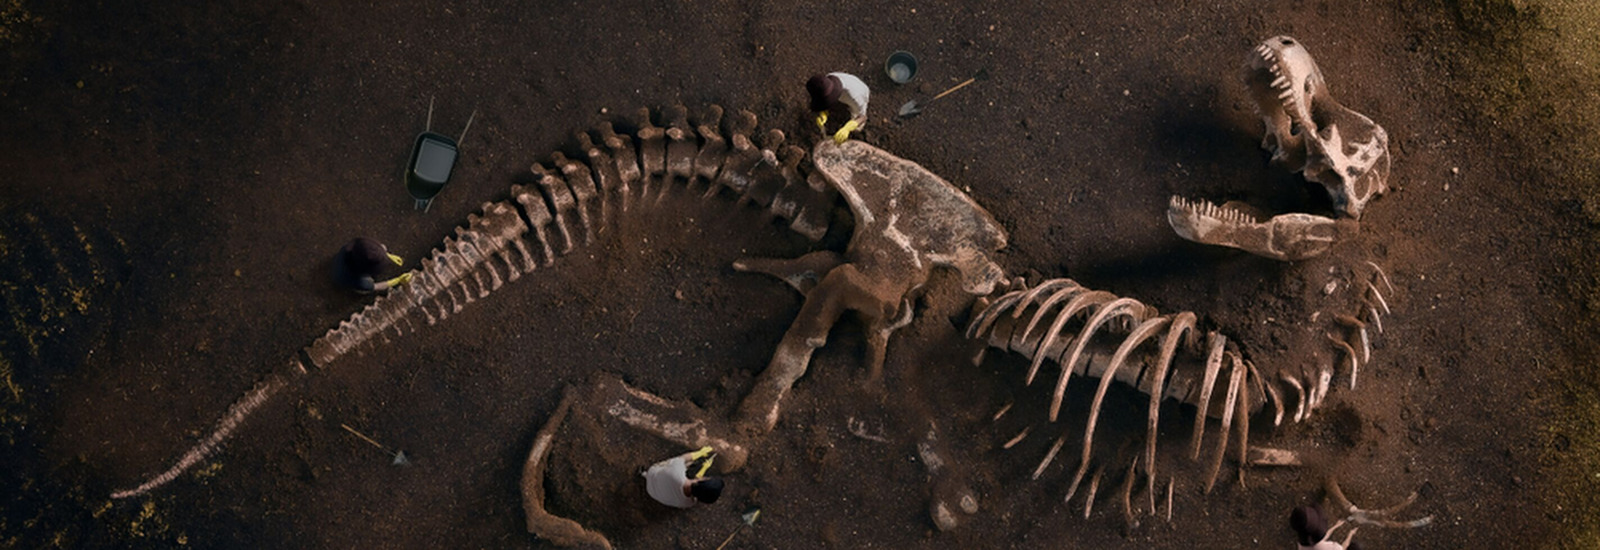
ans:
(1286, 237)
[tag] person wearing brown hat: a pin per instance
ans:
(839, 92)
(359, 264)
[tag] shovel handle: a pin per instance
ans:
(952, 89)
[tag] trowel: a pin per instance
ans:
(913, 107)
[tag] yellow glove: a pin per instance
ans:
(704, 466)
(404, 278)
(700, 453)
(822, 121)
(844, 133)
(397, 260)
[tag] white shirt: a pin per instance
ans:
(854, 96)
(665, 480)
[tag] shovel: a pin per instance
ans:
(400, 458)
(913, 107)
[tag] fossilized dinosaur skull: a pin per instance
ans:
(1309, 132)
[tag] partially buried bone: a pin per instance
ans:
(558, 530)
(677, 421)
(907, 221)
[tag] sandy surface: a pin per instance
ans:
(176, 180)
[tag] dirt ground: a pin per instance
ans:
(178, 177)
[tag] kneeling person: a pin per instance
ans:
(669, 483)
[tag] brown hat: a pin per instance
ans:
(824, 90)
(364, 256)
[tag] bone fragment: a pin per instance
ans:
(858, 428)
(1181, 328)
(1379, 295)
(591, 200)
(1324, 379)
(558, 530)
(1378, 517)
(1243, 434)
(713, 147)
(1274, 395)
(679, 422)
(741, 158)
(1213, 365)
(624, 157)
(539, 217)
(1002, 412)
(1350, 353)
(1128, 517)
(766, 177)
(652, 154)
(613, 190)
(1169, 499)
(682, 146)
(1235, 387)
(803, 273)
(1094, 487)
(562, 203)
(816, 207)
(1383, 276)
(1018, 438)
(1300, 397)
(1048, 457)
(1266, 456)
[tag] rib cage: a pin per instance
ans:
(569, 202)
(1109, 338)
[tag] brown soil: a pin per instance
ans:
(177, 178)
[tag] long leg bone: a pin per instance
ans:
(558, 530)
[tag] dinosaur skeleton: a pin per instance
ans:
(1310, 132)
(907, 222)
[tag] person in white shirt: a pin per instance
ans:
(669, 483)
(839, 92)
(1312, 531)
